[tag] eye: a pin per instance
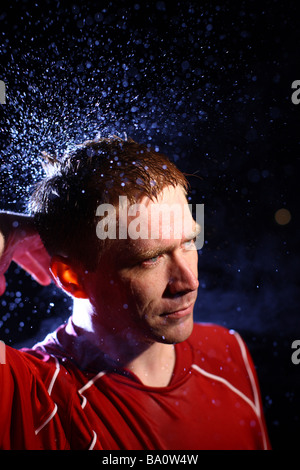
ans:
(189, 244)
(151, 261)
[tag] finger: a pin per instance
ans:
(2, 284)
(2, 244)
(41, 256)
(39, 272)
(34, 247)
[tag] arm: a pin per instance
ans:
(20, 242)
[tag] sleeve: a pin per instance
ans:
(25, 404)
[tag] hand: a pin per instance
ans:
(20, 242)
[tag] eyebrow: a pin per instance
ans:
(140, 254)
(195, 232)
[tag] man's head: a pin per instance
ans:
(145, 287)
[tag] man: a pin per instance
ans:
(129, 370)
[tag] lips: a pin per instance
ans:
(180, 313)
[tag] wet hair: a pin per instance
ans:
(65, 201)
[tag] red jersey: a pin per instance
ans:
(55, 397)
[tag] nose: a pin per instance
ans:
(183, 275)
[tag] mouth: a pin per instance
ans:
(182, 312)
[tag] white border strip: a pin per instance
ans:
(47, 420)
(249, 370)
(57, 369)
(228, 384)
(50, 388)
(254, 387)
(88, 385)
(94, 440)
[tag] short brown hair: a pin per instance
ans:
(98, 171)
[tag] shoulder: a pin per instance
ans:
(207, 334)
(222, 354)
(25, 368)
(213, 339)
(221, 357)
(37, 372)
(26, 382)
(218, 345)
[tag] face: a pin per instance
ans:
(147, 287)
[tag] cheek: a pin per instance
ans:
(146, 292)
(105, 291)
(196, 265)
(194, 261)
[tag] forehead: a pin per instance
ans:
(163, 212)
(158, 224)
(169, 198)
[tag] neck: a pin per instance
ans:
(154, 367)
(152, 362)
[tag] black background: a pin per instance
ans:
(209, 83)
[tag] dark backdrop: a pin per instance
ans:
(209, 84)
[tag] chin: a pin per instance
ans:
(175, 333)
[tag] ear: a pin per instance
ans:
(67, 278)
